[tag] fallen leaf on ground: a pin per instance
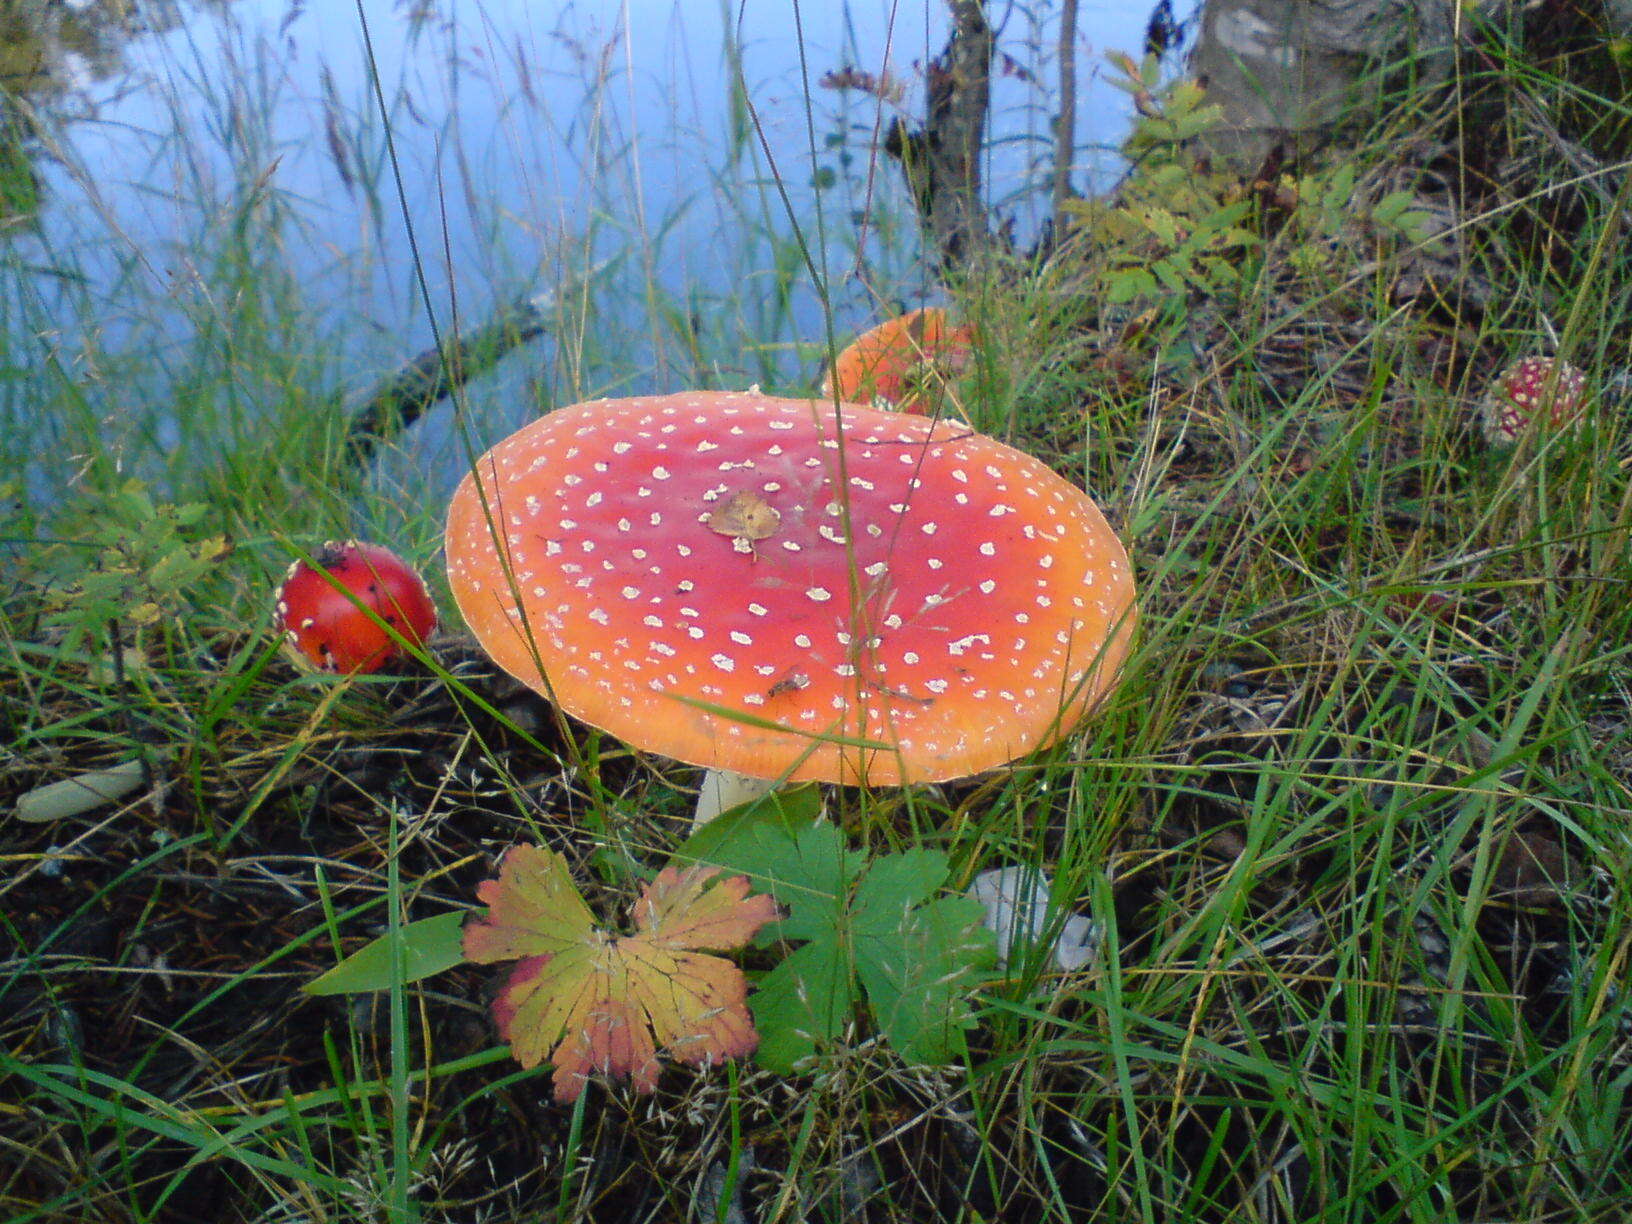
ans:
(593, 1002)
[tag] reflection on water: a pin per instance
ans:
(51, 56)
(51, 51)
(214, 184)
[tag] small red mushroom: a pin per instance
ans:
(1531, 388)
(905, 363)
(321, 607)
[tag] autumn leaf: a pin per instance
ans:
(592, 1002)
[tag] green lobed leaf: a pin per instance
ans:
(919, 976)
(876, 926)
(428, 947)
(779, 814)
(801, 1004)
(808, 870)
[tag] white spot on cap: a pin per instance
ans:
(819, 594)
(724, 662)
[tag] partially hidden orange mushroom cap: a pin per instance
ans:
(868, 597)
(905, 361)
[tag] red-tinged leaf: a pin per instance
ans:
(595, 1003)
(681, 910)
(533, 909)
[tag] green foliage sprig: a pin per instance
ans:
(871, 929)
(1178, 226)
(130, 560)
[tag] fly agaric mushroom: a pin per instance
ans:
(321, 607)
(905, 362)
(877, 598)
(1528, 389)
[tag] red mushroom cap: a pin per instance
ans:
(1531, 388)
(325, 626)
(855, 574)
(906, 362)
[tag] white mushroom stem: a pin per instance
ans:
(723, 790)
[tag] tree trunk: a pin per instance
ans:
(1286, 71)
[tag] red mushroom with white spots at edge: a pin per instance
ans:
(1534, 387)
(320, 607)
(905, 363)
(841, 576)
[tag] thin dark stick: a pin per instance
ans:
(393, 404)
(1065, 123)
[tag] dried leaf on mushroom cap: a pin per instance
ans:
(916, 602)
